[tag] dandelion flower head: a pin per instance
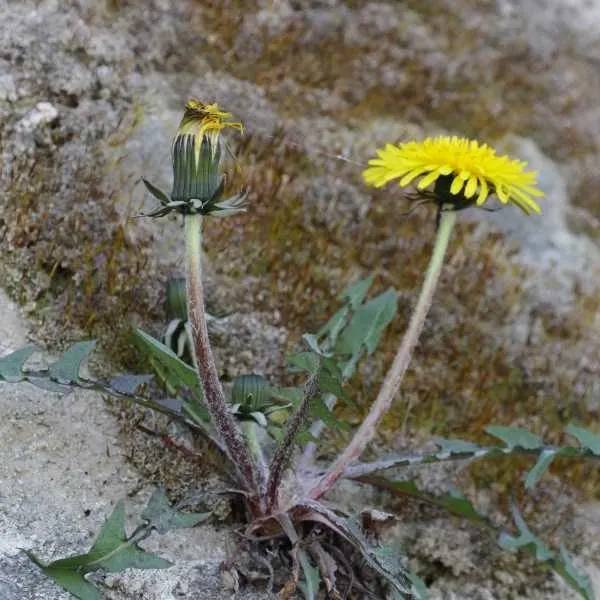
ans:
(471, 172)
(200, 120)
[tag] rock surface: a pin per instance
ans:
(62, 472)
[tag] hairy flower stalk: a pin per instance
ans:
(198, 187)
(223, 421)
(465, 174)
(286, 446)
(393, 379)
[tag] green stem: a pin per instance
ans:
(393, 379)
(223, 420)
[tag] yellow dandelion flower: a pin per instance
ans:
(464, 172)
(200, 120)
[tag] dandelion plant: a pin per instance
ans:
(302, 542)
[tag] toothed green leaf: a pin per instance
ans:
(178, 373)
(586, 438)
(66, 369)
(526, 540)
(356, 292)
(293, 395)
(368, 324)
(304, 361)
(331, 379)
(516, 437)
(71, 581)
(543, 462)
(329, 333)
(129, 384)
(454, 447)
(313, 343)
(163, 517)
(577, 580)
(11, 365)
(320, 410)
(112, 551)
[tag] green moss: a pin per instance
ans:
(71, 261)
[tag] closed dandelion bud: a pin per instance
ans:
(198, 183)
(251, 392)
(252, 399)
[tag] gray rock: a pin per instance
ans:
(556, 256)
(62, 471)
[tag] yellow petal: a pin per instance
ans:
(428, 179)
(411, 175)
(502, 193)
(471, 187)
(457, 185)
(483, 192)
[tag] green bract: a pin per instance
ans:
(198, 184)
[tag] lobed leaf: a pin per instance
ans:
(588, 440)
(355, 293)
(178, 374)
(129, 384)
(455, 503)
(304, 361)
(11, 365)
(368, 324)
(163, 517)
(578, 581)
(452, 446)
(66, 369)
(545, 459)
(112, 551)
(515, 437)
(72, 581)
(328, 334)
(561, 562)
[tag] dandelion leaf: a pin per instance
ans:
(575, 579)
(547, 455)
(111, 552)
(66, 369)
(163, 517)
(452, 446)
(176, 373)
(368, 324)
(586, 438)
(129, 384)
(11, 365)
(70, 580)
(515, 437)
(560, 562)
(356, 293)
